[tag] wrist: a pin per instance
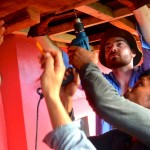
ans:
(67, 103)
(51, 97)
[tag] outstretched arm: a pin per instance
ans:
(142, 16)
(51, 80)
(115, 109)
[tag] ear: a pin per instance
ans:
(133, 53)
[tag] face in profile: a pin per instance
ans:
(118, 52)
(140, 93)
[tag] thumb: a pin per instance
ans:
(58, 61)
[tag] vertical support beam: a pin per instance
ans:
(11, 95)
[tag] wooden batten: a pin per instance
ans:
(21, 19)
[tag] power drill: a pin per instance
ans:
(81, 40)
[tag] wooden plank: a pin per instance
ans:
(75, 3)
(21, 19)
(60, 40)
(18, 12)
(95, 37)
(97, 10)
(122, 12)
(65, 38)
(92, 21)
(68, 26)
(105, 13)
(57, 6)
(125, 24)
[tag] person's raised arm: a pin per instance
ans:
(115, 109)
(142, 15)
(51, 80)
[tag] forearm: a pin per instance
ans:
(46, 43)
(57, 112)
(118, 111)
(142, 16)
(65, 135)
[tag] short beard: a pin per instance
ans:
(117, 64)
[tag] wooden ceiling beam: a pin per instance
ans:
(68, 26)
(74, 4)
(65, 38)
(105, 13)
(22, 14)
(21, 19)
(117, 20)
(58, 6)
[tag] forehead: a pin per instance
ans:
(114, 39)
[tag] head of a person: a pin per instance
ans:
(118, 48)
(140, 93)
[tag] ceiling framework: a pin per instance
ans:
(96, 16)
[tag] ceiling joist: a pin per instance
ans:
(105, 13)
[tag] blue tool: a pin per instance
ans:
(81, 40)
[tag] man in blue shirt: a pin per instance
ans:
(119, 52)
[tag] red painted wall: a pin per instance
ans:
(3, 139)
(11, 96)
(20, 72)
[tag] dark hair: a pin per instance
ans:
(145, 73)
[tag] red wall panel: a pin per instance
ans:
(11, 96)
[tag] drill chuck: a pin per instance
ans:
(78, 26)
(81, 38)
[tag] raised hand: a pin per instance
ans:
(53, 73)
(78, 56)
